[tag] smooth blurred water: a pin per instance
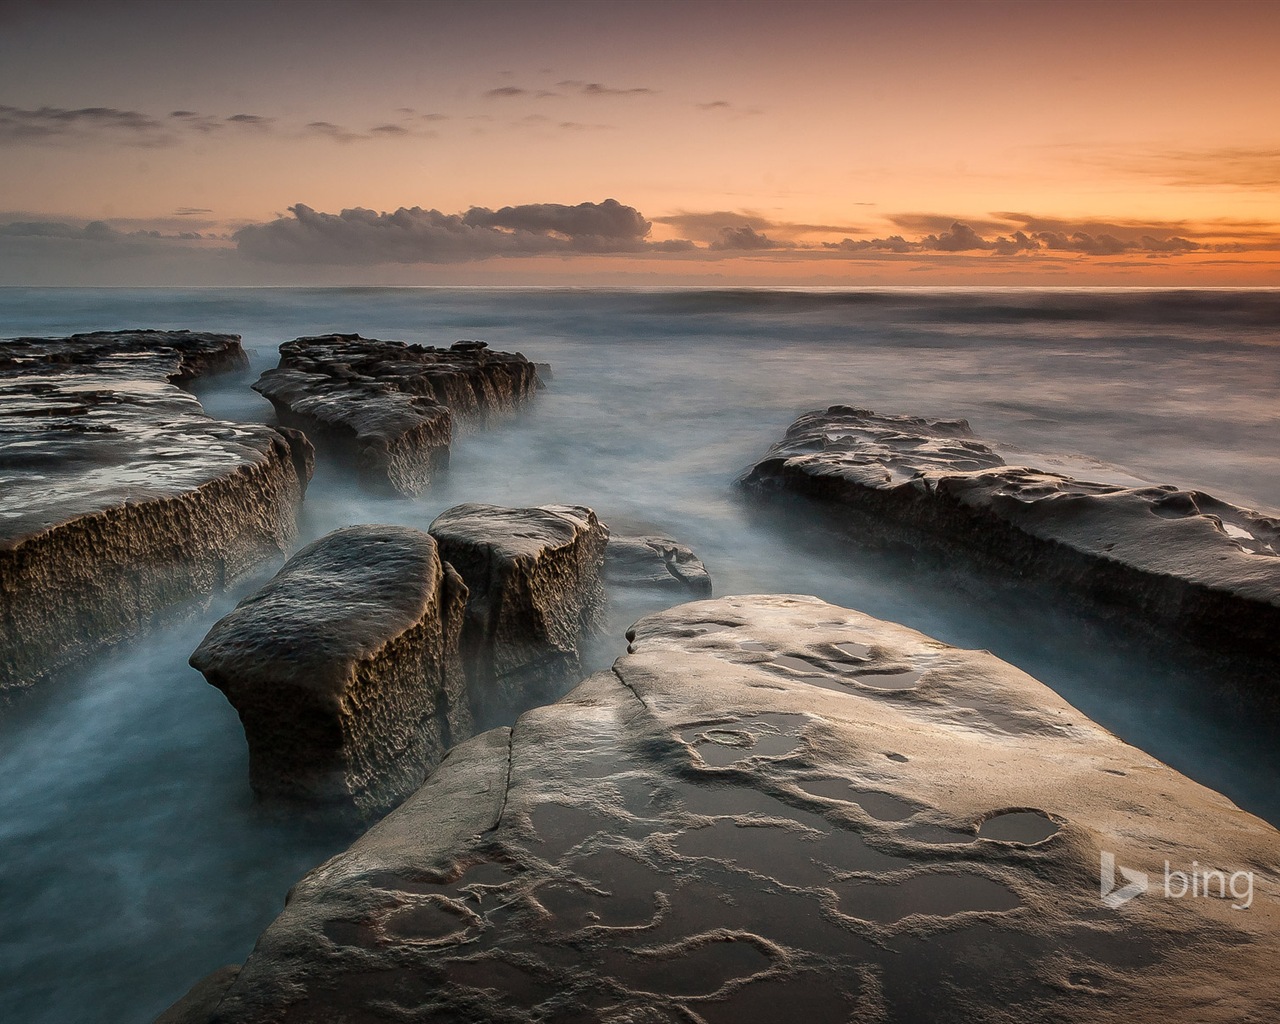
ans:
(133, 860)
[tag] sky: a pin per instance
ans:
(702, 142)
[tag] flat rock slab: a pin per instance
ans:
(752, 819)
(659, 563)
(535, 595)
(1181, 560)
(345, 669)
(389, 407)
(119, 497)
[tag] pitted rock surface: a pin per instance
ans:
(119, 497)
(390, 408)
(737, 824)
(1182, 561)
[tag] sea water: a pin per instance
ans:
(132, 857)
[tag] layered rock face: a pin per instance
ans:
(119, 497)
(659, 563)
(389, 407)
(535, 595)
(776, 809)
(345, 669)
(1184, 560)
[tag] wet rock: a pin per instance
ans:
(119, 497)
(199, 1004)
(601, 861)
(535, 595)
(389, 408)
(1204, 569)
(657, 562)
(345, 669)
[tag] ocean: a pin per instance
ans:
(134, 860)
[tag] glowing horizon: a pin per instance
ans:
(802, 143)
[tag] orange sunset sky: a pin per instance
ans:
(640, 143)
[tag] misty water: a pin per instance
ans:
(133, 859)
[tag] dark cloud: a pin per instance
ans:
(599, 89)
(894, 243)
(389, 129)
(609, 220)
(746, 238)
(1041, 234)
(957, 238)
(506, 92)
(190, 211)
(251, 120)
(730, 109)
(935, 223)
(707, 226)
(578, 126)
(359, 236)
(714, 105)
(48, 124)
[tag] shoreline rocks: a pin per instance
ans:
(119, 497)
(389, 408)
(774, 808)
(1182, 561)
(345, 669)
(533, 576)
(659, 563)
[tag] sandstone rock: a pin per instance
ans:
(535, 594)
(775, 809)
(119, 497)
(389, 408)
(345, 669)
(656, 562)
(1205, 569)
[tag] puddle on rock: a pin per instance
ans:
(690, 972)
(905, 680)
(881, 806)
(1027, 827)
(561, 827)
(721, 801)
(431, 920)
(522, 987)
(859, 652)
(771, 1000)
(927, 833)
(935, 894)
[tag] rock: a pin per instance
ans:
(389, 408)
(345, 669)
(657, 562)
(535, 594)
(119, 497)
(776, 809)
(1184, 561)
(198, 1005)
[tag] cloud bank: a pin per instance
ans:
(414, 235)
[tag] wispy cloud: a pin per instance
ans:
(55, 124)
(1231, 167)
(599, 89)
(730, 109)
(59, 125)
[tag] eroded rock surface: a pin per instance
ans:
(388, 407)
(1206, 569)
(655, 562)
(119, 497)
(345, 669)
(757, 817)
(535, 596)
